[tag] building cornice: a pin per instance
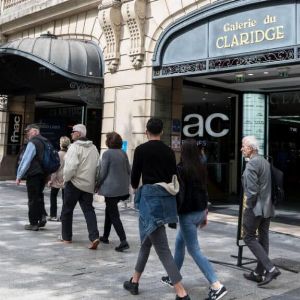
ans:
(29, 14)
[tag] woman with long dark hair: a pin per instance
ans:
(192, 211)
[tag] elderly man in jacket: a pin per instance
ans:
(79, 177)
(30, 167)
(258, 211)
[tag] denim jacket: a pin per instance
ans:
(156, 207)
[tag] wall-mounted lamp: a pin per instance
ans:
(239, 77)
(283, 72)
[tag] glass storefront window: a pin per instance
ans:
(284, 141)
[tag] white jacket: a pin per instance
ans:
(80, 165)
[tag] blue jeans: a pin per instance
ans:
(187, 236)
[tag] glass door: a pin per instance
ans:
(209, 116)
(284, 141)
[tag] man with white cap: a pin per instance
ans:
(79, 177)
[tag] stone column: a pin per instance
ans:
(130, 95)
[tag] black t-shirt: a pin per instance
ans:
(154, 161)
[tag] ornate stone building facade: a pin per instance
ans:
(212, 70)
(126, 31)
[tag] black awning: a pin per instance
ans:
(48, 64)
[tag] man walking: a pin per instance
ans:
(155, 162)
(258, 211)
(31, 168)
(79, 177)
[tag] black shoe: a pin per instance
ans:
(43, 221)
(104, 240)
(216, 294)
(253, 277)
(187, 297)
(31, 227)
(123, 246)
(269, 277)
(132, 287)
(166, 280)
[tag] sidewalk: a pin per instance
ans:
(285, 222)
(35, 266)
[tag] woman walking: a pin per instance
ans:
(114, 183)
(56, 181)
(192, 210)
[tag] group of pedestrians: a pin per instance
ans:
(168, 192)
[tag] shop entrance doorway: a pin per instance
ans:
(57, 112)
(210, 117)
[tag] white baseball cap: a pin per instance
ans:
(80, 128)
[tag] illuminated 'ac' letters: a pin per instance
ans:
(200, 125)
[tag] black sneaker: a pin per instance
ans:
(166, 280)
(217, 294)
(132, 287)
(123, 246)
(31, 227)
(43, 221)
(253, 277)
(104, 240)
(269, 277)
(187, 297)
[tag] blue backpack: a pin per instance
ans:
(50, 161)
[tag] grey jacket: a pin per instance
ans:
(114, 173)
(256, 181)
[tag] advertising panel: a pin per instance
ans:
(254, 118)
(14, 134)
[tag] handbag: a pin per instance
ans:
(97, 176)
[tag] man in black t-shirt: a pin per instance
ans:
(155, 163)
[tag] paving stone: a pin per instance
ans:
(35, 266)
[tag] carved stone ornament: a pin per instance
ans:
(134, 14)
(110, 19)
(3, 102)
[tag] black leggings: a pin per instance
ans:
(112, 217)
(53, 201)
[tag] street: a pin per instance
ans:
(34, 265)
